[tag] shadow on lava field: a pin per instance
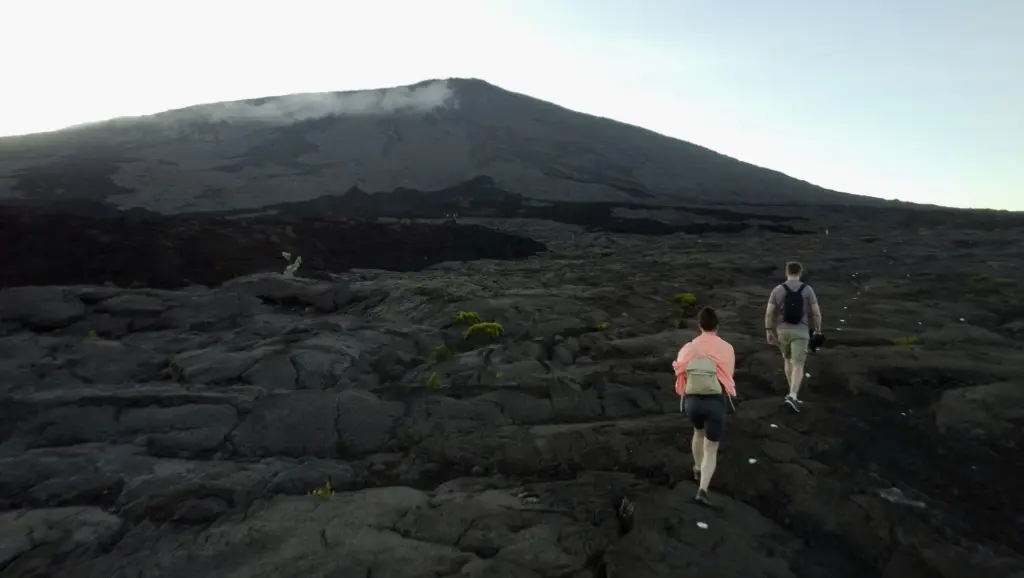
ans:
(143, 249)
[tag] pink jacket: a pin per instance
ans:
(718, 350)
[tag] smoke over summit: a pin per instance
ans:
(298, 107)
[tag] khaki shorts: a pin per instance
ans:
(793, 344)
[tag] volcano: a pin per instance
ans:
(427, 136)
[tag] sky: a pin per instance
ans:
(918, 100)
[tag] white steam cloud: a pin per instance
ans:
(298, 107)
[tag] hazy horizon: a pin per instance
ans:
(918, 102)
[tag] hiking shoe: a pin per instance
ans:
(793, 403)
(702, 497)
(625, 508)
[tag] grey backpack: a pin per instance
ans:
(702, 376)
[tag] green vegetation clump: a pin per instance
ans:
(604, 326)
(492, 329)
(434, 381)
(441, 352)
(685, 300)
(467, 318)
(324, 492)
(92, 334)
(991, 281)
(912, 340)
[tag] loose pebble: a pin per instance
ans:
(702, 525)
(752, 461)
(772, 425)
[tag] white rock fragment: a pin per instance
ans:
(807, 375)
(290, 270)
(772, 425)
(752, 461)
(702, 525)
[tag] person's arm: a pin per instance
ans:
(816, 317)
(679, 367)
(730, 370)
(769, 319)
(812, 298)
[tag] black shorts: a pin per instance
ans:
(707, 412)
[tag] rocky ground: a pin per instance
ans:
(194, 432)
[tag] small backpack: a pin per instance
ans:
(702, 376)
(793, 305)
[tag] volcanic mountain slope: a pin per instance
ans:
(193, 432)
(431, 135)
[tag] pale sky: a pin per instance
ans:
(921, 100)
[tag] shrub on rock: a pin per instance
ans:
(686, 301)
(324, 492)
(491, 329)
(467, 318)
(440, 353)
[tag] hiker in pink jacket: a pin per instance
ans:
(704, 376)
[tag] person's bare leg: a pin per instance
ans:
(697, 447)
(796, 377)
(788, 367)
(707, 465)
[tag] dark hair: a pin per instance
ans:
(794, 268)
(707, 319)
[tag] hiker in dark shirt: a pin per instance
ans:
(792, 307)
